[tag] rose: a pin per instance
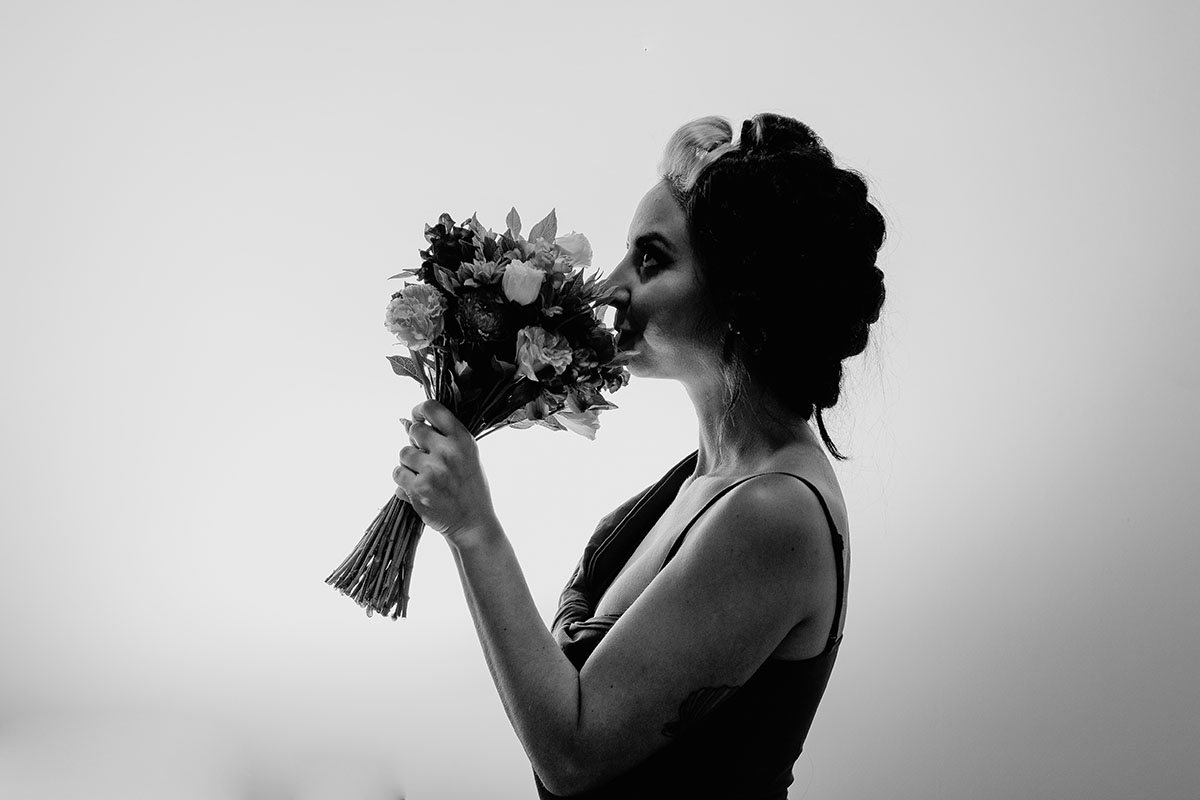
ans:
(522, 282)
(575, 249)
(415, 315)
(538, 348)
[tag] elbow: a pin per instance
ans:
(565, 778)
(579, 758)
(570, 771)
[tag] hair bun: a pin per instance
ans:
(792, 304)
(864, 297)
(771, 133)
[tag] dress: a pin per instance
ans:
(747, 746)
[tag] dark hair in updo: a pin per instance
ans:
(786, 243)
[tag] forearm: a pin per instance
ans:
(538, 686)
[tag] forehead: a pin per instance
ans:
(659, 213)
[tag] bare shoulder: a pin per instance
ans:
(771, 527)
(768, 540)
(773, 513)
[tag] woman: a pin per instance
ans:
(694, 641)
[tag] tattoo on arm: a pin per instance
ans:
(697, 706)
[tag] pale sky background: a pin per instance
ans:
(201, 203)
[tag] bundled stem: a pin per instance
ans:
(378, 573)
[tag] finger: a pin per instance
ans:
(423, 436)
(440, 418)
(412, 458)
(418, 415)
(398, 473)
(402, 487)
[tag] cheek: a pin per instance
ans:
(671, 314)
(682, 330)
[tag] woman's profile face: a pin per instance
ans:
(658, 297)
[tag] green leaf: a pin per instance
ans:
(513, 220)
(408, 273)
(505, 369)
(448, 280)
(489, 249)
(525, 391)
(403, 365)
(546, 229)
(476, 227)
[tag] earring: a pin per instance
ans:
(754, 343)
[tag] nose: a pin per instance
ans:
(617, 293)
(616, 287)
(617, 284)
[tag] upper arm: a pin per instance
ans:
(758, 562)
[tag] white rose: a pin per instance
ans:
(576, 248)
(522, 282)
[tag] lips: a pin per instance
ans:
(626, 335)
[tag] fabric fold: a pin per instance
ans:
(576, 628)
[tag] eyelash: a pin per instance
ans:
(643, 267)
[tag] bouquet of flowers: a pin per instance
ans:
(505, 332)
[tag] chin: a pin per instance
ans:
(635, 367)
(641, 367)
(638, 371)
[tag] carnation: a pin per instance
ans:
(415, 315)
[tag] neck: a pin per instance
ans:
(740, 439)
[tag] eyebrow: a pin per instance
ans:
(651, 237)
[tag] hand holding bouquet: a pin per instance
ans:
(505, 332)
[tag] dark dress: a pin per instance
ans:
(748, 745)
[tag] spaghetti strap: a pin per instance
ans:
(839, 543)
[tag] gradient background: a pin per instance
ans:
(201, 202)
